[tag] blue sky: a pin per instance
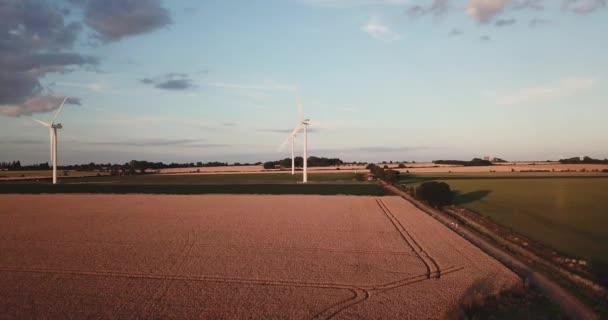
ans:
(382, 79)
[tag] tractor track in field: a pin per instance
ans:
(359, 293)
(432, 267)
(270, 249)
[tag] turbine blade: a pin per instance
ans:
(59, 110)
(296, 130)
(46, 124)
(289, 136)
(285, 142)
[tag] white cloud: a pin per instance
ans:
(352, 3)
(380, 31)
(562, 89)
(257, 87)
(95, 86)
(484, 10)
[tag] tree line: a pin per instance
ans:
(16, 165)
(585, 160)
(476, 162)
(138, 165)
(299, 162)
(388, 175)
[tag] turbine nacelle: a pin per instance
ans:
(57, 126)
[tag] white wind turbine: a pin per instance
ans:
(53, 137)
(291, 138)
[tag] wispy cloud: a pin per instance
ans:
(436, 8)
(93, 86)
(376, 149)
(171, 81)
(564, 88)
(257, 87)
(504, 22)
(151, 121)
(455, 32)
(535, 22)
(286, 131)
(352, 3)
(147, 142)
(484, 10)
(380, 31)
(194, 143)
(536, 5)
(583, 6)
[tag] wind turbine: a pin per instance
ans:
(291, 138)
(53, 137)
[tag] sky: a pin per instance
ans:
(218, 80)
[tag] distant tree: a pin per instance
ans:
(391, 176)
(268, 165)
(385, 166)
(401, 166)
(436, 194)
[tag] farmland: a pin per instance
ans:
(566, 212)
(233, 256)
(256, 183)
(5, 174)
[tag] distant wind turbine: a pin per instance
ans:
(303, 124)
(53, 138)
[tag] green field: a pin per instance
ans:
(198, 179)
(47, 173)
(258, 183)
(568, 213)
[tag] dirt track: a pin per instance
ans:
(220, 256)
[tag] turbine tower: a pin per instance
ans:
(293, 156)
(304, 124)
(53, 138)
(291, 138)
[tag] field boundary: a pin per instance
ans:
(511, 176)
(528, 254)
(573, 307)
(192, 189)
